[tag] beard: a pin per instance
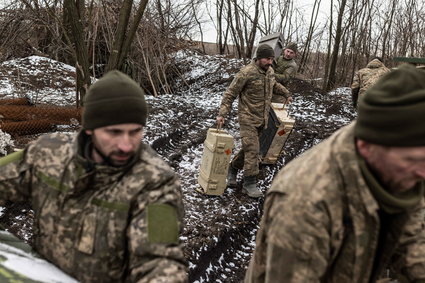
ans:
(115, 158)
(266, 67)
(119, 158)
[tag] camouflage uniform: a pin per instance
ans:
(285, 69)
(366, 77)
(99, 223)
(322, 225)
(255, 88)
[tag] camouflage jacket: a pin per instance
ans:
(321, 223)
(95, 222)
(285, 69)
(255, 88)
(366, 77)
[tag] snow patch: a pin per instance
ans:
(5, 142)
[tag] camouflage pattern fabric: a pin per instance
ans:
(91, 220)
(285, 69)
(247, 157)
(255, 88)
(321, 223)
(366, 77)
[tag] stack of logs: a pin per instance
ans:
(19, 116)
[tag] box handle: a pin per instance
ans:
(220, 147)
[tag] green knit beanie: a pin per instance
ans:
(114, 99)
(264, 51)
(392, 112)
(293, 46)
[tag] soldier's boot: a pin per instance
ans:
(232, 174)
(250, 187)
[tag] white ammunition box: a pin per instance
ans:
(272, 139)
(218, 148)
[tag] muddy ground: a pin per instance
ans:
(219, 231)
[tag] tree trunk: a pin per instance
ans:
(125, 11)
(312, 27)
(252, 33)
(220, 11)
(75, 17)
(327, 61)
(334, 58)
(132, 32)
(125, 34)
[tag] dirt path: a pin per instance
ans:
(219, 232)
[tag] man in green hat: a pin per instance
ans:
(107, 208)
(353, 205)
(285, 66)
(254, 85)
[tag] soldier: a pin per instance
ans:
(254, 84)
(286, 67)
(353, 205)
(366, 77)
(107, 208)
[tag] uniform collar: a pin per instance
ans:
(391, 203)
(355, 188)
(261, 70)
(83, 147)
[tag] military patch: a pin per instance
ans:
(162, 224)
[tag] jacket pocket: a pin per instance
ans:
(113, 220)
(88, 233)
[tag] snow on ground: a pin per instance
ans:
(5, 142)
(219, 232)
(43, 80)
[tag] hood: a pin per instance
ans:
(375, 63)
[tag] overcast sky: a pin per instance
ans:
(304, 6)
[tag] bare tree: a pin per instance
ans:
(334, 57)
(285, 8)
(252, 32)
(222, 31)
(329, 47)
(234, 20)
(198, 22)
(74, 20)
(125, 33)
(100, 37)
(309, 38)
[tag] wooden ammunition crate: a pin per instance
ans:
(218, 148)
(273, 138)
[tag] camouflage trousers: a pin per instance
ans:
(247, 158)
